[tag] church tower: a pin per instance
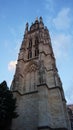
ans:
(41, 104)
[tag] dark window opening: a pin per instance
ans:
(30, 49)
(36, 41)
(30, 43)
(36, 52)
(29, 54)
(36, 47)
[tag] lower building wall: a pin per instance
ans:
(48, 128)
(59, 120)
(27, 110)
(44, 116)
(44, 128)
(39, 109)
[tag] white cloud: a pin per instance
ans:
(12, 65)
(61, 44)
(60, 27)
(63, 20)
(69, 94)
(9, 83)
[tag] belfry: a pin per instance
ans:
(41, 104)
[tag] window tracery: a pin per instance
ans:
(30, 49)
(36, 47)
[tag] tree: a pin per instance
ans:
(7, 107)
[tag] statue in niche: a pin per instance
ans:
(41, 72)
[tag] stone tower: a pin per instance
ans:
(41, 104)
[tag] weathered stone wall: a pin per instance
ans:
(42, 108)
(28, 112)
(57, 110)
(44, 116)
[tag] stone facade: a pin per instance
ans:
(70, 112)
(41, 104)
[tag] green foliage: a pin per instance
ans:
(7, 107)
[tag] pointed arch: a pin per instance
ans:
(30, 49)
(31, 76)
(36, 46)
(32, 66)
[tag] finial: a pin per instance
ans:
(27, 25)
(36, 18)
(41, 20)
(26, 29)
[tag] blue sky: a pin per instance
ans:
(57, 16)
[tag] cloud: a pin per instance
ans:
(69, 94)
(61, 38)
(61, 44)
(60, 27)
(63, 19)
(12, 65)
(9, 83)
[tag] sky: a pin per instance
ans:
(57, 16)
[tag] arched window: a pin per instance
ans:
(36, 47)
(30, 49)
(30, 43)
(36, 51)
(36, 41)
(29, 54)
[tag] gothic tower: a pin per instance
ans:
(41, 104)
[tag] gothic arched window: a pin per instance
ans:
(36, 47)
(30, 49)
(36, 41)
(36, 51)
(29, 54)
(30, 43)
